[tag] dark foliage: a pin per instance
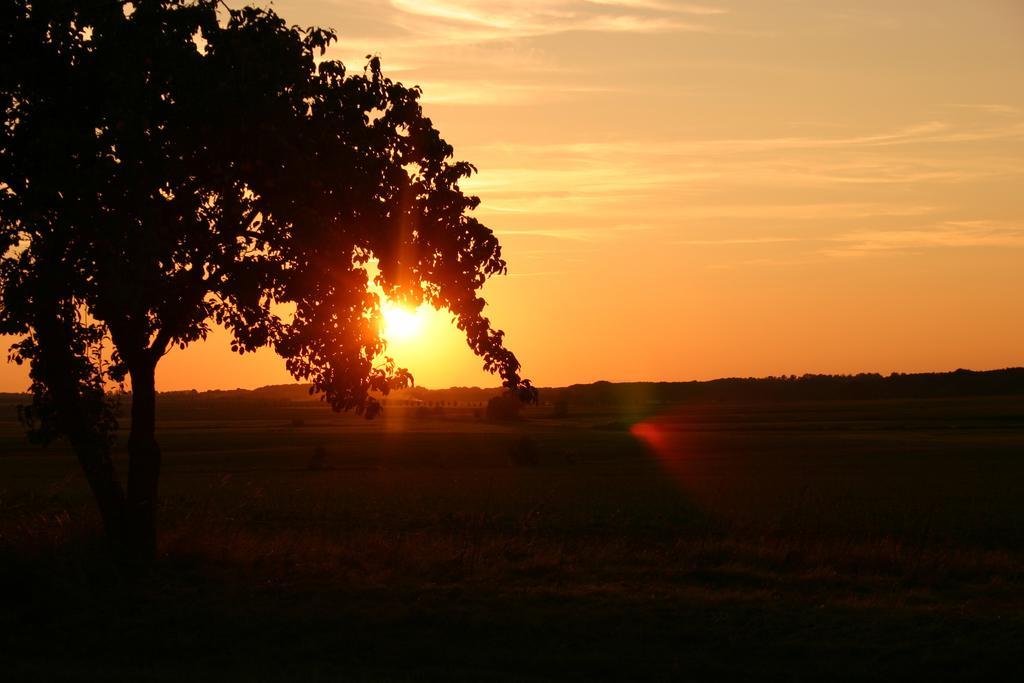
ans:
(165, 164)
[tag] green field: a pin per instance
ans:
(832, 540)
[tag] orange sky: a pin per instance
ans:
(696, 190)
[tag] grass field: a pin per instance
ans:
(831, 541)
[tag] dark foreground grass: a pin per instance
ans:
(830, 541)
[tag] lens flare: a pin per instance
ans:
(669, 443)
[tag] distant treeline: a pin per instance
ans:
(863, 386)
(866, 386)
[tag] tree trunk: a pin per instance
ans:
(98, 467)
(143, 465)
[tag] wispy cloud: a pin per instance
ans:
(538, 273)
(486, 52)
(578, 234)
(663, 6)
(942, 234)
(817, 211)
(577, 188)
(462, 21)
(947, 234)
(498, 93)
(996, 109)
(921, 133)
(778, 251)
(688, 179)
(727, 241)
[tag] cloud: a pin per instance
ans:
(996, 109)
(573, 234)
(483, 52)
(947, 234)
(496, 93)
(863, 244)
(802, 212)
(450, 22)
(693, 188)
(942, 234)
(576, 234)
(922, 133)
(738, 241)
(675, 7)
(539, 273)
(563, 182)
(878, 170)
(704, 179)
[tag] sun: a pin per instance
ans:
(400, 323)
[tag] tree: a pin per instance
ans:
(166, 164)
(503, 408)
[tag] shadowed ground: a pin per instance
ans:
(835, 540)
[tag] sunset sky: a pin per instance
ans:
(696, 190)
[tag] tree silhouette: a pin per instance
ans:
(165, 164)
